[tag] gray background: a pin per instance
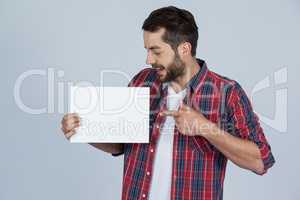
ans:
(244, 40)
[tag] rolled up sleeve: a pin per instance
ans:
(244, 123)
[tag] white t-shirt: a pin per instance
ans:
(162, 169)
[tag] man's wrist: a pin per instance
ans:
(207, 129)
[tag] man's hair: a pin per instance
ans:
(179, 24)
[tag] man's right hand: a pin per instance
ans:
(69, 123)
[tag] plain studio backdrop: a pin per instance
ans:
(46, 44)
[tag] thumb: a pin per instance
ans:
(183, 106)
(180, 105)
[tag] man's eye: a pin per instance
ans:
(157, 53)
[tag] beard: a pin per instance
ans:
(173, 71)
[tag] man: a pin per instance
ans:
(198, 120)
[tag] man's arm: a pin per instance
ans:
(72, 120)
(69, 124)
(245, 144)
(242, 152)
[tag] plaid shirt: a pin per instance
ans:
(198, 168)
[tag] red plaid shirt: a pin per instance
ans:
(198, 168)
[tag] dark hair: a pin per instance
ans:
(179, 24)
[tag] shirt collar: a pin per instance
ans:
(197, 78)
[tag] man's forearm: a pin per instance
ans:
(114, 148)
(243, 153)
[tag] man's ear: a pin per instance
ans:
(184, 49)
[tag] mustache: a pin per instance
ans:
(156, 66)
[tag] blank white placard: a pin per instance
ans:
(111, 114)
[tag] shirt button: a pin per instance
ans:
(157, 126)
(148, 173)
(151, 150)
(144, 195)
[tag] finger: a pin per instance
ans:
(184, 107)
(74, 125)
(70, 134)
(180, 105)
(70, 119)
(71, 125)
(74, 116)
(70, 122)
(172, 113)
(73, 120)
(70, 116)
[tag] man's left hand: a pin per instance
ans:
(188, 120)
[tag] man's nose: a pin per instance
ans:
(150, 60)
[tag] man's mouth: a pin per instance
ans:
(159, 68)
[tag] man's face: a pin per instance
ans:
(162, 57)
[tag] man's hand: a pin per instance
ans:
(189, 121)
(69, 123)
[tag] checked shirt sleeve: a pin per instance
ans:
(245, 123)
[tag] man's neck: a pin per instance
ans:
(192, 69)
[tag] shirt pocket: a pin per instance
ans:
(201, 145)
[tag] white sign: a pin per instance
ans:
(111, 114)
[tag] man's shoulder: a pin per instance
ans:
(223, 84)
(230, 87)
(219, 79)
